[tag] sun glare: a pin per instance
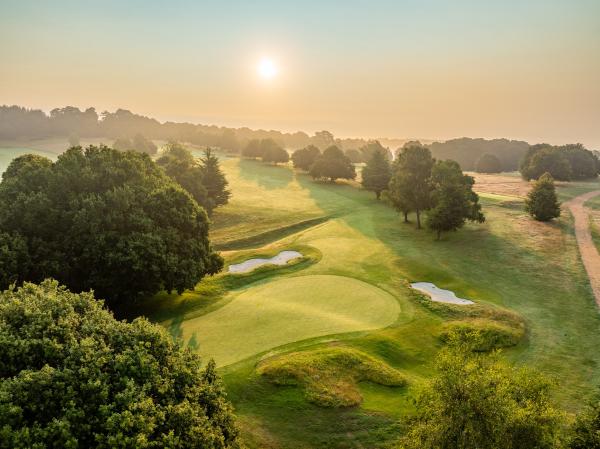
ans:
(267, 69)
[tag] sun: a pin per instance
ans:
(267, 69)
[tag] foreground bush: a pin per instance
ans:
(101, 219)
(72, 376)
(478, 401)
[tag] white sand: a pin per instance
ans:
(439, 294)
(280, 259)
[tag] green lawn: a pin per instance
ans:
(362, 250)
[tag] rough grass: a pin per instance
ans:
(330, 376)
(485, 335)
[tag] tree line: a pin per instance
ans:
(563, 163)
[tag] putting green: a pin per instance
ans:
(288, 310)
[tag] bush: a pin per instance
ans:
(332, 164)
(73, 376)
(482, 334)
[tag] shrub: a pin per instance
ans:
(542, 202)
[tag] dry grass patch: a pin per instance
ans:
(330, 376)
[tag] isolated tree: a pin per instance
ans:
(143, 145)
(586, 429)
(180, 165)
(453, 199)
(275, 154)
(305, 157)
(478, 401)
(412, 178)
(73, 376)
(214, 181)
(332, 164)
(377, 173)
(105, 220)
(372, 147)
(253, 149)
(542, 202)
(544, 158)
(488, 163)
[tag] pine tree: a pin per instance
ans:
(542, 203)
(377, 173)
(214, 181)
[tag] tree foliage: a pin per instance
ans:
(73, 376)
(563, 163)
(275, 154)
(373, 147)
(453, 200)
(377, 173)
(411, 179)
(139, 143)
(479, 401)
(542, 202)
(488, 163)
(214, 181)
(332, 164)
(586, 429)
(305, 157)
(105, 220)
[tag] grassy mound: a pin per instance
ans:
(484, 334)
(330, 376)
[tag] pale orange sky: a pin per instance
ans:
(430, 69)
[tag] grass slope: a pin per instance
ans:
(509, 262)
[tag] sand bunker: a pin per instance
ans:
(439, 294)
(280, 259)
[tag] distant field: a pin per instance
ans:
(510, 261)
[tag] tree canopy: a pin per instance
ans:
(478, 401)
(332, 164)
(542, 202)
(275, 154)
(377, 173)
(586, 429)
(305, 157)
(411, 179)
(105, 220)
(73, 376)
(372, 147)
(214, 181)
(488, 163)
(453, 200)
(563, 163)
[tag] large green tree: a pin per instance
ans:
(72, 376)
(453, 199)
(373, 147)
(412, 178)
(586, 429)
(305, 157)
(377, 173)
(544, 158)
(105, 220)
(214, 181)
(542, 202)
(478, 401)
(275, 154)
(332, 164)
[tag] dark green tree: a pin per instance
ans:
(377, 173)
(584, 163)
(253, 149)
(488, 163)
(180, 165)
(275, 154)
(453, 199)
(332, 164)
(105, 220)
(544, 158)
(214, 181)
(412, 179)
(478, 401)
(397, 193)
(355, 156)
(305, 157)
(542, 202)
(72, 376)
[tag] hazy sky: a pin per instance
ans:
(431, 69)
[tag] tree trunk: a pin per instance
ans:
(439, 234)
(405, 217)
(377, 194)
(418, 219)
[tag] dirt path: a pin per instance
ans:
(587, 249)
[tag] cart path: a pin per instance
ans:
(587, 249)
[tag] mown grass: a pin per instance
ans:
(329, 376)
(509, 263)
